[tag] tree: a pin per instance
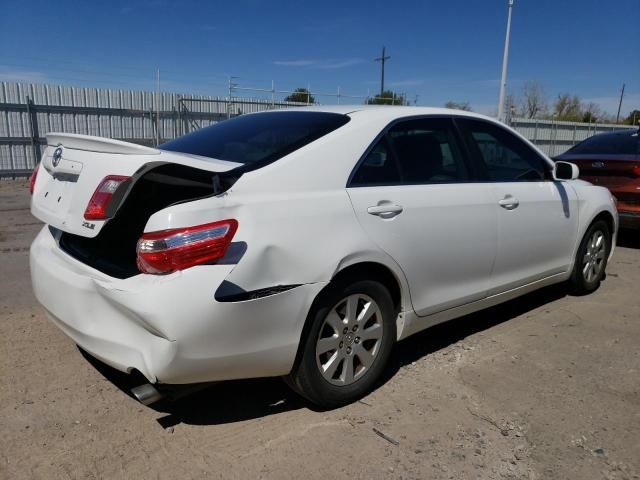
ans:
(534, 103)
(568, 107)
(592, 113)
(633, 118)
(458, 105)
(388, 98)
(301, 95)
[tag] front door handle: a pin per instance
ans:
(509, 202)
(385, 210)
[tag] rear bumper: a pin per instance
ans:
(170, 328)
(628, 205)
(629, 219)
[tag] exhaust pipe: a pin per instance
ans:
(147, 394)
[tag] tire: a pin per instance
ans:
(591, 259)
(343, 357)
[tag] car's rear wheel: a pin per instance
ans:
(591, 259)
(347, 346)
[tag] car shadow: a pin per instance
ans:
(208, 404)
(629, 238)
(436, 338)
(235, 401)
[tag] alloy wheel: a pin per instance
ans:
(349, 339)
(593, 260)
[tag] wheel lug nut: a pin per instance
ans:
(345, 330)
(355, 328)
(357, 339)
(341, 344)
(348, 349)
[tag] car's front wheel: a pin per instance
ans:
(591, 259)
(347, 346)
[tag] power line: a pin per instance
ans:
(39, 63)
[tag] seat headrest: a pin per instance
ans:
(420, 156)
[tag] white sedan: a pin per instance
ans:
(302, 243)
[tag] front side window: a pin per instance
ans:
(503, 156)
(422, 151)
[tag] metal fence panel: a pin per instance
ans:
(554, 138)
(29, 111)
(123, 114)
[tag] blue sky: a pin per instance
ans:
(440, 50)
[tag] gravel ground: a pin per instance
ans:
(544, 387)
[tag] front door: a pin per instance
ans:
(537, 216)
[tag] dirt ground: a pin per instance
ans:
(544, 387)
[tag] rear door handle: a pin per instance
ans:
(509, 202)
(385, 210)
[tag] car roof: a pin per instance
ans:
(385, 111)
(627, 131)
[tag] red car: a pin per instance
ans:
(612, 160)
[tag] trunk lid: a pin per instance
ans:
(73, 166)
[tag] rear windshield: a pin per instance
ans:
(257, 139)
(625, 143)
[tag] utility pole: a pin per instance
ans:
(232, 86)
(273, 94)
(620, 104)
(158, 108)
(505, 58)
(382, 59)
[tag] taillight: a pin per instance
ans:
(97, 207)
(176, 249)
(33, 177)
(636, 171)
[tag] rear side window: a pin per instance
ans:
(379, 167)
(423, 151)
(503, 156)
(608, 144)
(257, 139)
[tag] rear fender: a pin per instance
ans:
(290, 238)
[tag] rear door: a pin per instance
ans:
(413, 194)
(537, 216)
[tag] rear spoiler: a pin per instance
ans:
(98, 144)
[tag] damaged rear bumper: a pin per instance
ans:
(170, 328)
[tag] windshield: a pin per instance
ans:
(257, 139)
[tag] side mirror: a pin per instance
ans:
(565, 171)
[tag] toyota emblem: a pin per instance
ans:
(57, 156)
